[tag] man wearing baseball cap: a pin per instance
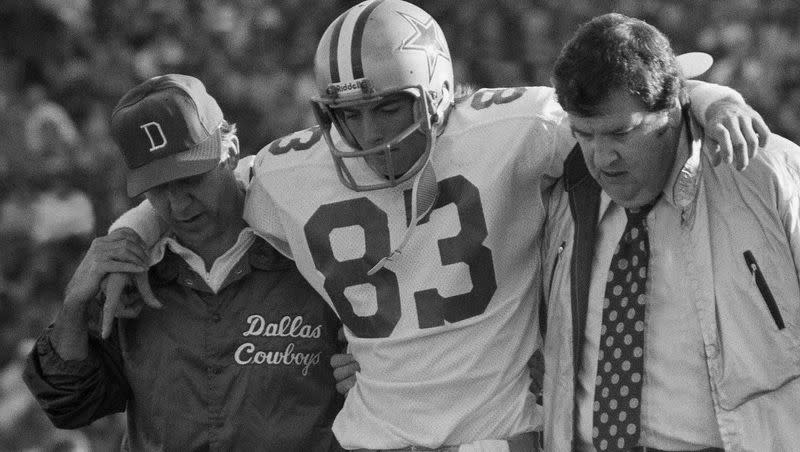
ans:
(237, 358)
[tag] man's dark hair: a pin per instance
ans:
(614, 51)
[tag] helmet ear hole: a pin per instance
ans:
(447, 91)
(440, 102)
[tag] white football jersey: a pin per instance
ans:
(444, 331)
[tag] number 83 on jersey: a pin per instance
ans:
(343, 277)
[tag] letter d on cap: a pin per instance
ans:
(153, 146)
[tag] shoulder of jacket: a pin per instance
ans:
(263, 256)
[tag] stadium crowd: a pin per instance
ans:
(65, 63)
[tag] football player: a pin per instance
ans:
(418, 216)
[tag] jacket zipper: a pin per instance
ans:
(543, 307)
(761, 283)
(555, 263)
(543, 304)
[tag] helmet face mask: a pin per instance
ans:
(377, 49)
(394, 168)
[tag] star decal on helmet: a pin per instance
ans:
(425, 39)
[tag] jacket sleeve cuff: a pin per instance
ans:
(52, 363)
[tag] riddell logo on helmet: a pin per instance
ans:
(356, 87)
(161, 137)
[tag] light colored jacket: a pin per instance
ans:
(753, 364)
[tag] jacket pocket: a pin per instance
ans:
(760, 351)
(763, 288)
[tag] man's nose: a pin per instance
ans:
(177, 196)
(604, 153)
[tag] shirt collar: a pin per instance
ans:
(222, 266)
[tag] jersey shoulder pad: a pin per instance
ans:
(290, 150)
(298, 141)
(506, 98)
(493, 104)
(534, 104)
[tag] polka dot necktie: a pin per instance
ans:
(620, 364)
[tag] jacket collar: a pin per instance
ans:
(684, 181)
(260, 256)
(263, 256)
(584, 204)
(575, 170)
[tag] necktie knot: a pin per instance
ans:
(638, 214)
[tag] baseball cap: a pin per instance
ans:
(168, 128)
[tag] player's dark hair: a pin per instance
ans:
(614, 51)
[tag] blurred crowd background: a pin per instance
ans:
(65, 63)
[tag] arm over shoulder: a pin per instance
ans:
(143, 220)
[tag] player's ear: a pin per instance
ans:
(447, 92)
(231, 146)
(442, 102)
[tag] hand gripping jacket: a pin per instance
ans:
(374, 49)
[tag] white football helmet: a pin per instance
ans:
(374, 49)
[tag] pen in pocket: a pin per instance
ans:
(755, 270)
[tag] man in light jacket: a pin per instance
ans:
(674, 305)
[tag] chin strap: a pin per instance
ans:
(423, 196)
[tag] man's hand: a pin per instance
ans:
(734, 132)
(119, 252)
(344, 371)
(122, 303)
